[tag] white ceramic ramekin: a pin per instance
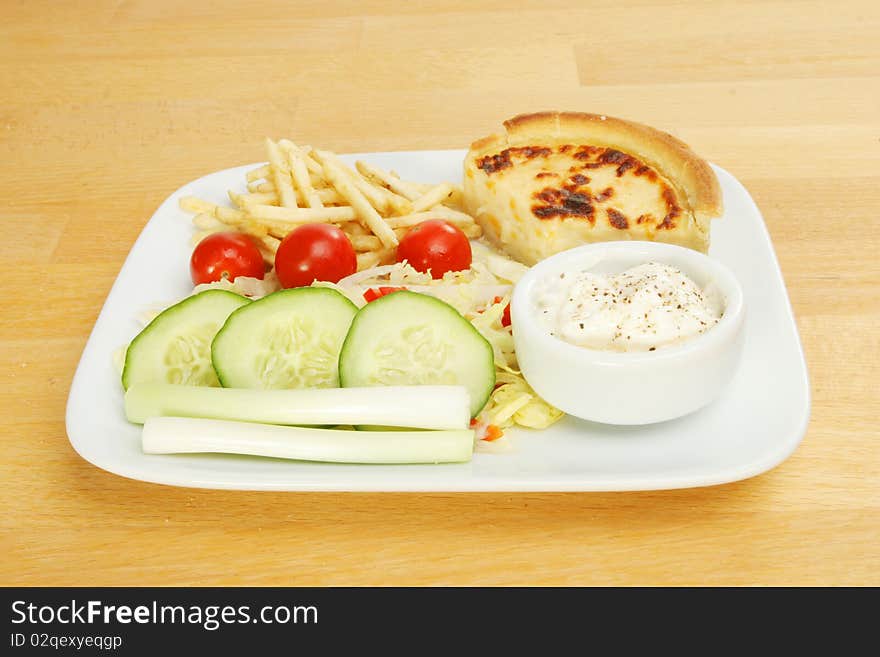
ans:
(632, 387)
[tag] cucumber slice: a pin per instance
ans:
(408, 338)
(288, 339)
(176, 346)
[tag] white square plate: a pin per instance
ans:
(753, 427)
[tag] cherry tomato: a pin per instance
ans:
(225, 255)
(314, 252)
(436, 245)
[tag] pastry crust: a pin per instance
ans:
(526, 140)
(671, 156)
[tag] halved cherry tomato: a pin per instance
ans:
(435, 245)
(225, 255)
(374, 293)
(314, 252)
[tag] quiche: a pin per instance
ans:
(556, 180)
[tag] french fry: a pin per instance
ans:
(367, 259)
(235, 198)
(375, 195)
(254, 229)
(241, 220)
(303, 152)
(238, 220)
(435, 196)
(365, 242)
(243, 201)
(371, 193)
(452, 216)
(456, 199)
(223, 218)
(319, 181)
(261, 186)
(387, 179)
(392, 203)
(196, 205)
(255, 174)
(199, 235)
(302, 182)
(384, 200)
(327, 195)
(207, 221)
(271, 244)
(353, 228)
(330, 195)
(268, 245)
(337, 175)
(379, 197)
(473, 231)
(373, 258)
(280, 175)
(398, 204)
(300, 215)
(386, 256)
(229, 215)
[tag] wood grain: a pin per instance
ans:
(110, 106)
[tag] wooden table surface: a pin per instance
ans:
(107, 107)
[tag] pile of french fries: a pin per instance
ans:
(301, 185)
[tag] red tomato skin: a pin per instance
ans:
(314, 252)
(435, 245)
(374, 293)
(225, 255)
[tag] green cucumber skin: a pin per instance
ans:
(132, 354)
(222, 353)
(480, 392)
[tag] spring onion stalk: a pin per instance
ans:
(421, 407)
(179, 435)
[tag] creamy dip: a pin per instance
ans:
(644, 308)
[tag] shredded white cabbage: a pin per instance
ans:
(253, 288)
(513, 401)
(244, 285)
